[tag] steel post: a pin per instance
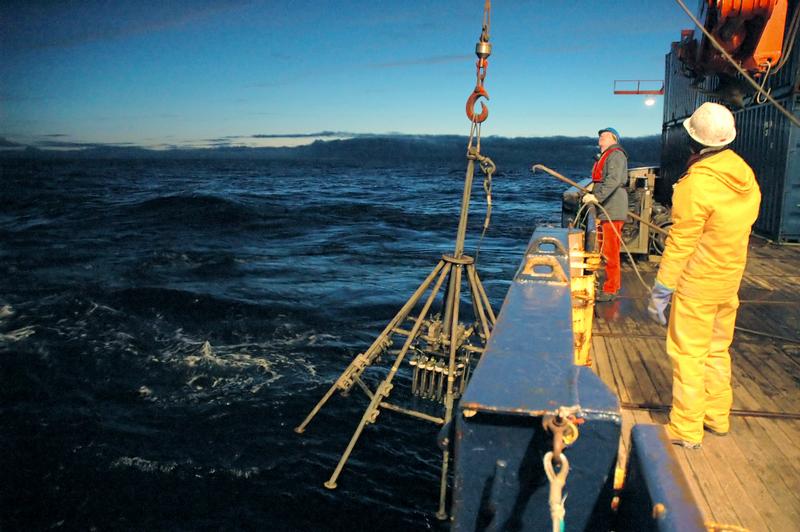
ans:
(448, 402)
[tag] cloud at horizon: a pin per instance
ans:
(45, 144)
(5, 143)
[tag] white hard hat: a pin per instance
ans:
(711, 125)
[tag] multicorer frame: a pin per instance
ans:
(440, 349)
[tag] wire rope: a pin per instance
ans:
(743, 72)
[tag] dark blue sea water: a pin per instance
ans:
(115, 274)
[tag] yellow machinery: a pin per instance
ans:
(583, 265)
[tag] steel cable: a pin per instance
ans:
(743, 72)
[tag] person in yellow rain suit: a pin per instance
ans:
(714, 206)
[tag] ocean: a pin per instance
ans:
(165, 324)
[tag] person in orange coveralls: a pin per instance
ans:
(714, 206)
(609, 177)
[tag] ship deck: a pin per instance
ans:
(750, 478)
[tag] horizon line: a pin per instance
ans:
(47, 144)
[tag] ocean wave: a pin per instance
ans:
(394, 215)
(194, 209)
(183, 263)
(173, 321)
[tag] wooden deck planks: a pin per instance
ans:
(754, 496)
(640, 389)
(750, 478)
(772, 488)
(773, 442)
(779, 373)
(700, 473)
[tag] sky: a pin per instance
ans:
(205, 73)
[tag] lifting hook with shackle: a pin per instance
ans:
(472, 100)
(483, 50)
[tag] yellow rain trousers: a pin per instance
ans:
(714, 206)
(697, 343)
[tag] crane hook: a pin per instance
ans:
(472, 100)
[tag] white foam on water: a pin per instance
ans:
(17, 334)
(244, 473)
(269, 358)
(228, 373)
(97, 306)
(145, 392)
(147, 466)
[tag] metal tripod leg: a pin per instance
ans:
(386, 386)
(448, 402)
(370, 353)
(448, 305)
(477, 300)
(484, 298)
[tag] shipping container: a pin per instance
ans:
(769, 142)
(679, 97)
(674, 154)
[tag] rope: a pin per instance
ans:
(743, 72)
(630, 256)
(581, 219)
(582, 189)
(712, 526)
(769, 335)
(487, 15)
(788, 41)
(622, 243)
(647, 287)
(488, 168)
(557, 481)
(482, 50)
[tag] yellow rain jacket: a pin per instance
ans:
(713, 208)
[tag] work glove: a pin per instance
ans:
(660, 297)
(589, 198)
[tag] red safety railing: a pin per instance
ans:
(639, 86)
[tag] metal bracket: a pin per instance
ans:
(537, 247)
(543, 261)
(554, 271)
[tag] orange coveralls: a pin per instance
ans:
(609, 243)
(609, 177)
